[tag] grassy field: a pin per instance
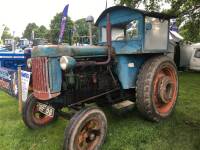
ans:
(128, 132)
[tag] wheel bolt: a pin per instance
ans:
(92, 136)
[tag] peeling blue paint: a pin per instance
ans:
(55, 75)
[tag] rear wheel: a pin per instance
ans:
(32, 117)
(157, 88)
(86, 131)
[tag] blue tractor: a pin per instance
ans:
(13, 55)
(129, 66)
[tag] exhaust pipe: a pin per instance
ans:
(109, 44)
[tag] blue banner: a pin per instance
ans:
(8, 81)
(63, 22)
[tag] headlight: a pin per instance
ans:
(29, 63)
(64, 62)
(67, 63)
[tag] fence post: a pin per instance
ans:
(19, 89)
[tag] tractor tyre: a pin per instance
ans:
(157, 88)
(31, 116)
(86, 131)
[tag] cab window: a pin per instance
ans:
(132, 30)
(197, 53)
(126, 31)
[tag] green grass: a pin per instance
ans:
(128, 132)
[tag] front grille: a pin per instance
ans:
(40, 75)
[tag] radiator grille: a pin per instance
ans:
(40, 74)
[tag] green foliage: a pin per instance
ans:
(6, 34)
(188, 13)
(28, 31)
(191, 31)
(130, 3)
(39, 32)
(55, 29)
(129, 131)
(82, 28)
(42, 32)
(95, 34)
(17, 39)
(150, 5)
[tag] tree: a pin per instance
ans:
(82, 29)
(191, 31)
(39, 32)
(150, 5)
(17, 39)
(55, 29)
(42, 32)
(28, 31)
(188, 13)
(6, 34)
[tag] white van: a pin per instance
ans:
(195, 60)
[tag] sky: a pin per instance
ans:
(16, 14)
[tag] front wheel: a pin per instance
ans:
(32, 117)
(157, 88)
(86, 131)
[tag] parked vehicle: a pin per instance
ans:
(195, 58)
(187, 56)
(12, 56)
(128, 66)
(11, 60)
(23, 43)
(40, 41)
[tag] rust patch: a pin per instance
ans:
(165, 89)
(40, 78)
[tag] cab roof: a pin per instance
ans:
(128, 9)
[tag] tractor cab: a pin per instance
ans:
(135, 31)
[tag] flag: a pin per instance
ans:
(63, 22)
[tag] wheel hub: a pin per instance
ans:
(92, 136)
(39, 117)
(166, 89)
(89, 135)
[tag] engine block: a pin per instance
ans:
(85, 83)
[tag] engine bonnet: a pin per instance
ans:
(73, 51)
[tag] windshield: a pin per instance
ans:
(197, 53)
(122, 32)
(132, 30)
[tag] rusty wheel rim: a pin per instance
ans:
(165, 89)
(39, 117)
(89, 135)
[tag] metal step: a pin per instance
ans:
(124, 105)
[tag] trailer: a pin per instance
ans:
(129, 66)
